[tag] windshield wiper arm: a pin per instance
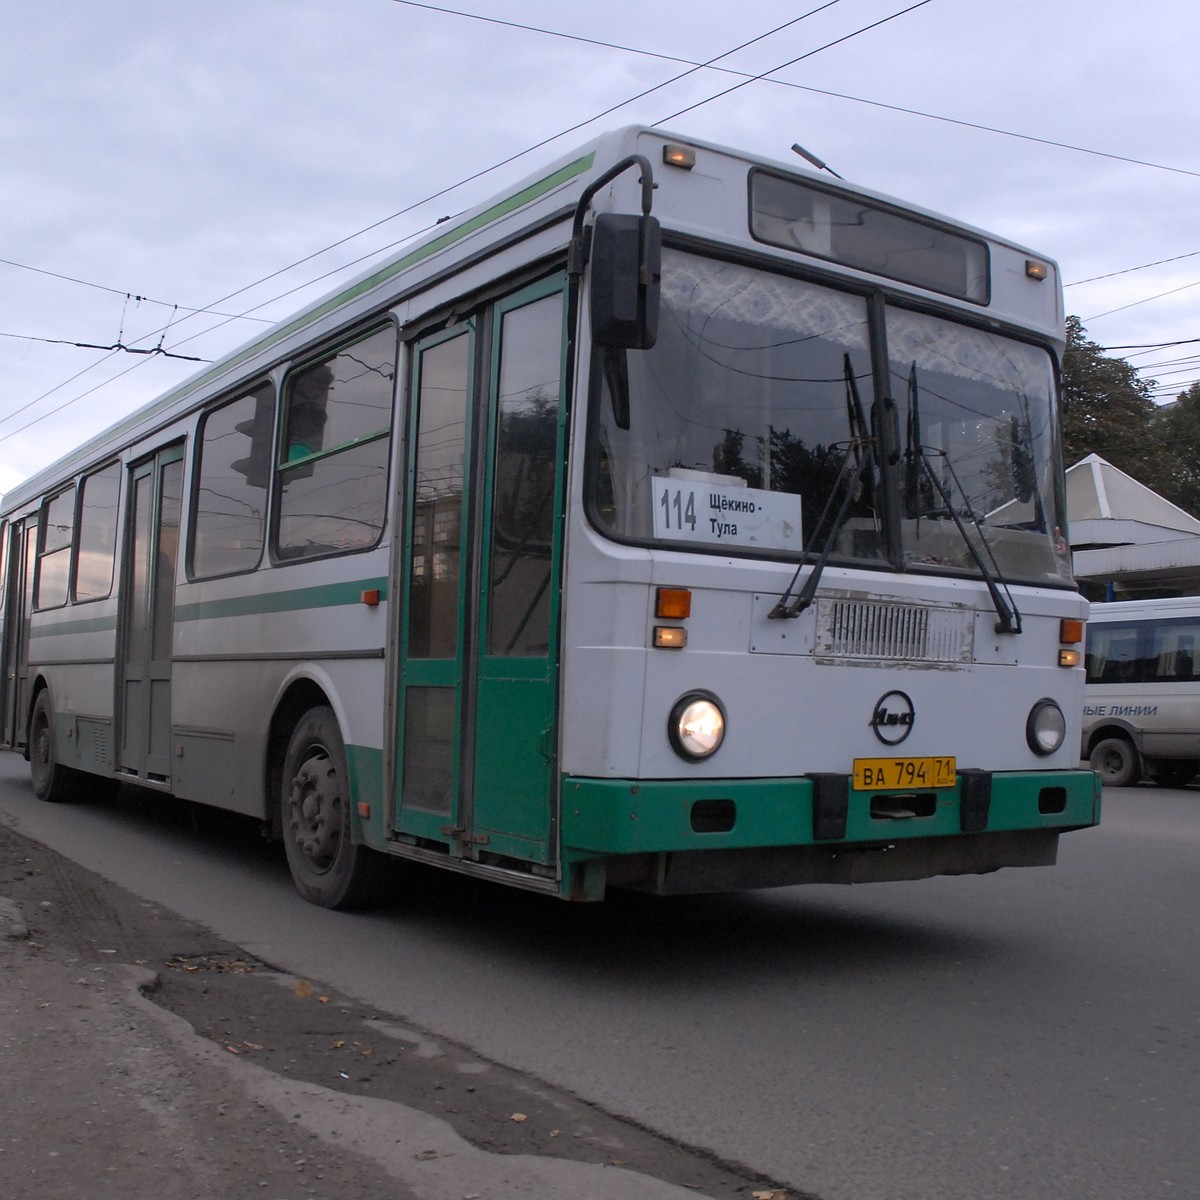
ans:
(861, 451)
(1009, 617)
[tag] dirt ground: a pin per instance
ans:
(142, 1056)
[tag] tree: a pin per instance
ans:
(1108, 410)
(1179, 429)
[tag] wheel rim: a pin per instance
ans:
(1112, 766)
(315, 810)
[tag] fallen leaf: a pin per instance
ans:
(518, 1117)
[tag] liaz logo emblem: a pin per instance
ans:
(893, 717)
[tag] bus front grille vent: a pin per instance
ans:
(871, 630)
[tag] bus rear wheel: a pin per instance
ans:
(327, 867)
(52, 781)
(1116, 760)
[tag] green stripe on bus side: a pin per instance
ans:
(82, 625)
(501, 209)
(328, 595)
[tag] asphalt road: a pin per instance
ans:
(1030, 1034)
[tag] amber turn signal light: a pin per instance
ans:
(673, 603)
(1070, 631)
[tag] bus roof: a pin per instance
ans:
(548, 195)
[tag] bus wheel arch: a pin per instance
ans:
(1115, 757)
(313, 810)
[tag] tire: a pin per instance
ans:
(1173, 772)
(327, 868)
(1116, 761)
(52, 782)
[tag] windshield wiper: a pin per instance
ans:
(915, 456)
(858, 459)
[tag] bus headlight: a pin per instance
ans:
(1046, 727)
(697, 726)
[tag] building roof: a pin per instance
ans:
(1126, 536)
(1106, 507)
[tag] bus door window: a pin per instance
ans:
(432, 676)
(523, 489)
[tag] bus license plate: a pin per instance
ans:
(902, 774)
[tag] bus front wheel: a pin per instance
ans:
(51, 780)
(326, 865)
(1116, 760)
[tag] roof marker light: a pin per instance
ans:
(679, 156)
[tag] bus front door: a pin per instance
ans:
(148, 617)
(478, 671)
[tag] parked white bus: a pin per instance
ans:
(579, 546)
(1141, 714)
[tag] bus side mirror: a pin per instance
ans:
(626, 261)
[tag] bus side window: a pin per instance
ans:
(56, 534)
(1184, 658)
(331, 473)
(97, 533)
(232, 480)
(1112, 655)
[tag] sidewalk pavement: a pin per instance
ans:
(105, 1094)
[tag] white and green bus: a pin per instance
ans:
(1141, 712)
(678, 521)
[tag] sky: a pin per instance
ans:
(175, 173)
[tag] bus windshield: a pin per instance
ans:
(754, 417)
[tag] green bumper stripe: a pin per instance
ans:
(602, 816)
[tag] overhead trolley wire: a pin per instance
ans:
(693, 67)
(712, 65)
(383, 221)
(792, 62)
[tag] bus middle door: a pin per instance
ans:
(148, 620)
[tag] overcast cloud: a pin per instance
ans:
(181, 150)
